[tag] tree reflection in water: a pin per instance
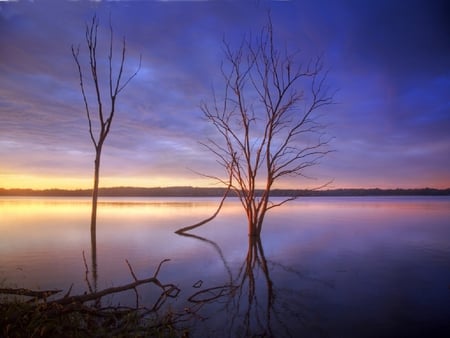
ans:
(92, 282)
(94, 258)
(249, 304)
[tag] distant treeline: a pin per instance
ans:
(216, 192)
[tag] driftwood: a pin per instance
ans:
(53, 314)
(169, 290)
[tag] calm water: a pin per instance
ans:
(326, 267)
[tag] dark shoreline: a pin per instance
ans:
(217, 192)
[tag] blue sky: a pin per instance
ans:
(389, 61)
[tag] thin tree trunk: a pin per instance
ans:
(95, 191)
(94, 217)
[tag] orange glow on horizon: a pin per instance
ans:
(42, 182)
(74, 183)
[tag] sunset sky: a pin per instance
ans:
(389, 60)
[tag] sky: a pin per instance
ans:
(389, 61)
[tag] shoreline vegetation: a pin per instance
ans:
(31, 313)
(186, 191)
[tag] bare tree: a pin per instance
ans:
(100, 125)
(266, 120)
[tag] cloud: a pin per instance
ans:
(390, 61)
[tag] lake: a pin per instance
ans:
(325, 266)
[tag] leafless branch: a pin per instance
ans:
(115, 85)
(266, 119)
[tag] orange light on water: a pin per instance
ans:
(36, 208)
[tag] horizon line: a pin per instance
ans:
(222, 187)
(190, 191)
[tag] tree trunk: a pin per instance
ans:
(94, 216)
(252, 227)
(95, 192)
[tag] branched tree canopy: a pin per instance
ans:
(100, 112)
(267, 120)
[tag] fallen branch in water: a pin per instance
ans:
(81, 314)
(168, 289)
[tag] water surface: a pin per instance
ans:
(333, 267)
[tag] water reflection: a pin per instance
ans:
(94, 257)
(348, 267)
(259, 304)
(248, 303)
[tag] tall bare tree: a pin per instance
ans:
(100, 117)
(267, 120)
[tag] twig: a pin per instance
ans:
(135, 278)
(131, 270)
(68, 291)
(159, 266)
(86, 275)
(214, 292)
